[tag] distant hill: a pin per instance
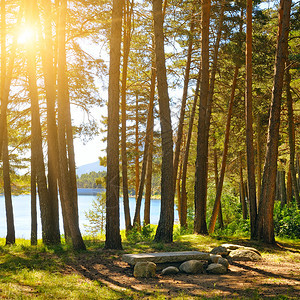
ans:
(85, 169)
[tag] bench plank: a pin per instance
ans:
(165, 257)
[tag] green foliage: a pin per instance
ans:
(146, 234)
(91, 180)
(238, 227)
(234, 224)
(287, 220)
(96, 216)
(179, 231)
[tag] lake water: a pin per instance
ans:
(21, 205)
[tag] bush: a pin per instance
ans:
(287, 220)
(146, 234)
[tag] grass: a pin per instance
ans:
(44, 272)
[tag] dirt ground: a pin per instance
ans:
(277, 275)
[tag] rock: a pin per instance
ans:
(144, 269)
(231, 246)
(216, 269)
(235, 247)
(220, 250)
(169, 271)
(213, 258)
(244, 255)
(223, 261)
(192, 267)
(252, 249)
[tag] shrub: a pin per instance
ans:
(287, 220)
(146, 234)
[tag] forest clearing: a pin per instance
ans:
(200, 103)
(59, 273)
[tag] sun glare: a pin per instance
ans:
(26, 35)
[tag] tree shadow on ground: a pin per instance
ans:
(244, 280)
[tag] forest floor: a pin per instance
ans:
(59, 273)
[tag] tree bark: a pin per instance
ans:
(200, 225)
(243, 196)
(289, 188)
(149, 138)
(220, 215)
(224, 158)
(36, 135)
(164, 231)
(33, 202)
(259, 141)
(249, 123)
(66, 176)
(183, 102)
(126, 49)
(50, 86)
(291, 131)
(183, 211)
(265, 216)
(113, 237)
(10, 237)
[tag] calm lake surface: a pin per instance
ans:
(21, 205)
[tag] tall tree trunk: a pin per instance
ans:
(149, 138)
(66, 176)
(200, 225)
(291, 131)
(126, 49)
(243, 196)
(289, 188)
(259, 158)
(164, 231)
(137, 154)
(224, 158)
(265, 213)
(178, 190)
(183, 211)
(282, 188)
(249, 123)
(220, 215)
(49, 76)
(10, 237)
(33, 235)
(113, 237)
(36, 135)
(183, 102)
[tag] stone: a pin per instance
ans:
(231, 246)
(244, 255)
(216, 269)
(220, 251)
(223, 261)
(169, 271)
(144, 269)
(235, 247)
(165, 257)
(213, 258)
(192, 267)
(252, 249)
